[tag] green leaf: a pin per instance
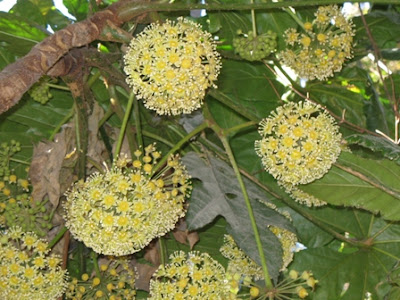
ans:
(339, 100)
(376, 144)
(384, 27)
(36, 120)
(18, 35)
(361, 269)
(225, 25)
(359, 182)
(250, 88)
(77, 8)
(217, 195)
(278, 22)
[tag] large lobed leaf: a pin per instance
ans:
(218, 194)
(359, 182)
(360, 270)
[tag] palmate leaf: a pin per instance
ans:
(354, 181)
(218, 194)
(360, 269)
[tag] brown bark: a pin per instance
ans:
(18, 77)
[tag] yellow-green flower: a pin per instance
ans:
(121, 211)
(239, 261)
(116, 280)
(299, 144)
(303, 197)
(192, 276)
(171, 65)
(321, 48)
(288, 242)
(26, 271)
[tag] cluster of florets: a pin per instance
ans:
(17, 207)
(322, 47)
(288, 242)
(40, 91)
(239, 262)
(7, 150)
(303, 197)
(121, 211)
(171, 65)
(257, 47)
(26, 270)
(115, 280)
(299, 144)
(195, 276)
(297, 284)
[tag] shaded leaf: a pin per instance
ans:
(218, 195)
(225, 25)
(359, 182)
(376, 144)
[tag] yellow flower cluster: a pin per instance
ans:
(303, 197)
(191, 276)
(322, 46)
(171, 65)
(299, 143)
(27, 272)
(17, 207)
(115, 281)
(239, 262)
(121, 211)
(288, 241)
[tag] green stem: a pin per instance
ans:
(131, 9)
(253, 21)
(63, 121)
(162, 250)
(93, 79)
(157, 137)
(117, 108)
(19, 161)
(239, 127)
(139, 136)
(95, 263)
(178, 145)
(267, 278)
(124, 124)
(59, 235)
(106, 116)
(294, 17)
(95, 164)
(58, 87)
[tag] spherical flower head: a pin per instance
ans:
(26, 270)
(116, 280)
(322, 47)
(299, 144)
(19, 208)
(121, 211)
(171, 65)
(254, 48)
(239, 262)
(194, 276)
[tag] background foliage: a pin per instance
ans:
(352, 244)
